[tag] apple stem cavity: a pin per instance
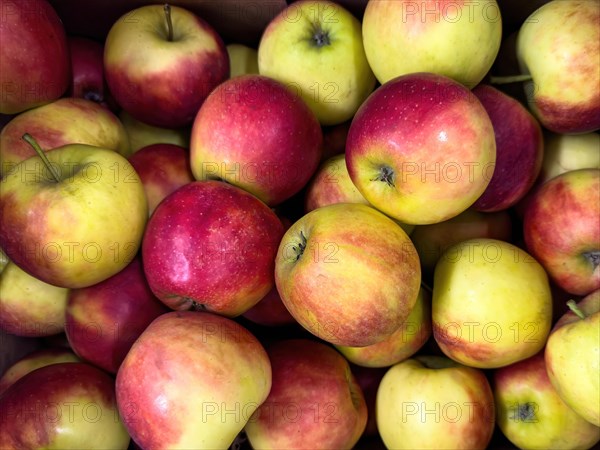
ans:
(299, 250)
(31, 141)
(593, 257)
(510, 79)
(167, 9)
(386, 174)
(320, 37)
(526, 412)
(573, 307)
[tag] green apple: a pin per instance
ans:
(566, 152)
(141, 134)
(559, 46)
(491, 303)
(432, 402)
(242, 59)
(316, 48)
(457, 39)
(573, 357)
(73, 216)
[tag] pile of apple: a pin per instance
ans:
(366, 232)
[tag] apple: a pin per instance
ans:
(530, 412)
(242, 59)
(314, 402)
(192, 380)
(103, 320)
(269, 145)
(491, 304)
(161, 62)
(434, 402)
(519, 150)
(142, 135)
(421, 148)
(316, 48)
(62, 405)
(34, 360)
(566, 152)
(401, 344)
(73, 216)
(162, 168)
(561, 229)
(34, 55)
(368, 378)
(64, 121)
(334, 139)
(348, 274)
(431, 241)
(559, 47)
(211, 246)
(30, 307)
(270, 311)
(573, 357)
(459, 40)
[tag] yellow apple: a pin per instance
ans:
(242, 59)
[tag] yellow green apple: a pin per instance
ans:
(566, 152)
(242, 59)
(141, 134)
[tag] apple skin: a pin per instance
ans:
(559, 46)
(368, 378)
(572, 359)
(566, 152)
(270, 311)
(314, 402)
(270, 144)
(142, 135)
(519, 150)
(62, 405)
(242, 59)
(478, 323)
(34, 360)
(421, 149)
(460, 40)
(87, 227)
(316, 48)
(103, 320)
(162, 82)
(209, 367)
(401, 344)
(434, 402)
(64, 121)
(163, 168)
(348, 274)
(211, 246)
(567, 202)
(42, 73)
(530, 412)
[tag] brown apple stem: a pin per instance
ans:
(573, 307)
(31, 141)
(510, 79)
(167, 9)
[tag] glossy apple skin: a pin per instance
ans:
(162, 168)
(270, 144)
(62, 405)
(314, 402)
(501, 318)
(567, 202)
(211, 246)
(433, 402)
(157, 81)
(348, 274)
(64, 121)
(42, 73)
(530, 412)
(519, 150)
(103, 320)
(209, 367)
(559, 45)
(436, 140)
(572, 353)
(34, 360)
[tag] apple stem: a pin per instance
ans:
(167, 9)
(301, 246)
(573, 307)
(509, 79)
(31, 141)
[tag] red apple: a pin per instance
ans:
(34, 55)
(519, 150)
(368, 378)
(211, 246)
(103, 320)
(561, 229)
(270, 143)
(270, 311)
(162, 168)
(162, 62)
(314, 402)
